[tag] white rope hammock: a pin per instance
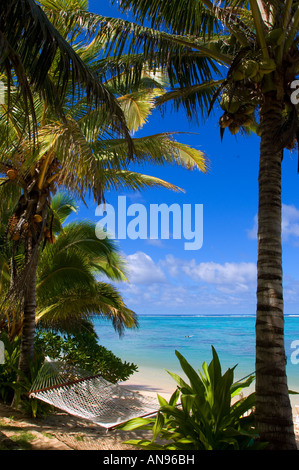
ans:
(92, 398)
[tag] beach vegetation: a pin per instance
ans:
(83, 350)
(70, 292)
(206, 413)
(80, 350)
(72, 275)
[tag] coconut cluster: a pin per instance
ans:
(21, 228)
(241, 95)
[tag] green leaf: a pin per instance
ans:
(174, 397)
(195, 381)
(148, 445)
(187, 402)
(162, 400)
(135, 423)
(159, 423)
(237, 387)
(179, 380)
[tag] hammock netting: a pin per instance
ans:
(89, 397)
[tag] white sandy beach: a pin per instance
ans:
(62, 431)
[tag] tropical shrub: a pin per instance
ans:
(200, 414)
(8, 370)
(82, 350)
(12, 390)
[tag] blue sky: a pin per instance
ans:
(219, 278)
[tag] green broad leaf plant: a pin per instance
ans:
(201, 414)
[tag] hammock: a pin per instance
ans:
(89, 397)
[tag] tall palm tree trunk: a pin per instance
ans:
(273, 409)
(28, 328)
(32, 246)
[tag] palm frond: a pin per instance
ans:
(192, 98)
(62, 206)
(122, 180)
(123, 35)
(74, 306)
(158, 149)
(173, 16)
(137, 107)
(30, 56)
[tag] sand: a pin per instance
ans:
(61, 431)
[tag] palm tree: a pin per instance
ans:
(82, 154)
(69, 289)
(72, 275)
(35, 57)
(243, 54)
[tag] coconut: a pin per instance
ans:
(267, 65)
(250, 68)
(37, 218)
(248, 121)
(238, 73)
(225, 120)
(234, 128)
(12, 174)
(249, 109)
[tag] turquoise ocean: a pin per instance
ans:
(152, 346)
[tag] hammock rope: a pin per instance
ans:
(89, 397)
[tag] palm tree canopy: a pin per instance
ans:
(231, 52)
(82, 151)
(71, 284)
(37, 57)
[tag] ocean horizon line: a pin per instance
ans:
(197, 315)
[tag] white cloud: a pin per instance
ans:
(227, 273)
(227, 277)
(177, 285)
(289, 223)
(143, 270)
(252, 233)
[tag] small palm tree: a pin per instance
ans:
(244, 55)
(72, 276)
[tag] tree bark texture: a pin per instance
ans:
(28, 329)
(273, 409)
